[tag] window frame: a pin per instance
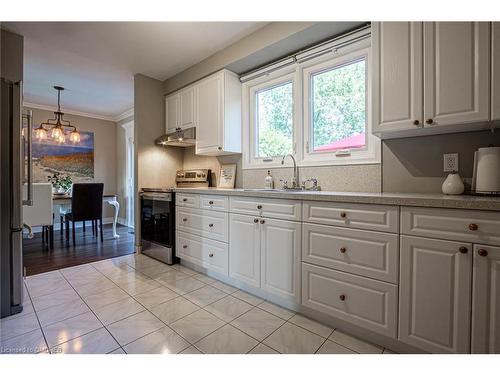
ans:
(370, 153)
(299, 73)
(250, 89)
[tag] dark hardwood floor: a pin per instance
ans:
(38, 258)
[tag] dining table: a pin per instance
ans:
(61, 203)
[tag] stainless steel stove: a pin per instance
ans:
(193, 178)
(158, 214)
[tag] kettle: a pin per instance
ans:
(486, 175)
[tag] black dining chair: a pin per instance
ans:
(86, 204)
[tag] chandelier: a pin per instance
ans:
(55, 128)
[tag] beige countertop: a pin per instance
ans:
(399, 199)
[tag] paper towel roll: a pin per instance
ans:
(488, 170)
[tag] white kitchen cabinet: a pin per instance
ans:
(179, 110)
(456, 73)
(172, 113)
(368, 303)
(486, 300)
(435, 294)
(265, 253)
(495, 70)
(280, 242)
(186, 108)
(430, 78)
(218, 114)
(397, 76)
(244, 240)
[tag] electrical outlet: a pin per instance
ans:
(450, 162)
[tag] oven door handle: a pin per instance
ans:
(155, 197)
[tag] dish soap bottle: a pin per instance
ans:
(268, 181)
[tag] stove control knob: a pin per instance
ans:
(203, 175)
(198, 175)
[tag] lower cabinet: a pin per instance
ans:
(435, 294)
(244, 239)
(210, 254)
(280, 243)
(486, 300)
(368, 303)
(265, 253)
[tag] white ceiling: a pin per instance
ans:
(96, 61)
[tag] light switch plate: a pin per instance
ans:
(450, 162)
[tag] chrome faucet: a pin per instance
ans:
(295, 180)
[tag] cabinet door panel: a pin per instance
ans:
(486, 300)
(172, 112)
(456, 72)
(434, 295)
(244, 253)
(495, 70)
(397, 76)
(209, 112)
(280, 252)
(186, 108)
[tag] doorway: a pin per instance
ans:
(129, 196)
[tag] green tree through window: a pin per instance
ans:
(339, 105)
(274, 118)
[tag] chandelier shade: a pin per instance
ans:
(55, 128)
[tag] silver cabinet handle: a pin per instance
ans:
(29, 199)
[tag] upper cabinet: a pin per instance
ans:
(218, 114)
(172, 113)
(495, 71)
(397, 76)
(179, 110)
(430, 78)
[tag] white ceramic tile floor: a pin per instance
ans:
(133, 304)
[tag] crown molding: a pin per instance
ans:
(125, 114)
(83, 114)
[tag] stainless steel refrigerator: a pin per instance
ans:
(15, 170)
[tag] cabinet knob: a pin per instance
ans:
(219, 148)
(211, 255)
(473, 227)
(342, 297)
(210, 225)
(184, 246)
(184, 199)
(463, 249)
(482, 253)
(255, 220)
(211, 202)
(343, 214)
(259, 207)
(184, 219)
(262, 221)
(429, 121)
(416, 123)
(343, 249)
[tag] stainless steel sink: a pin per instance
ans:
(276, 190)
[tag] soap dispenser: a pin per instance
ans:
(268, 181)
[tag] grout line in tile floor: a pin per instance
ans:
(38, 320)
(161, 285)
(85, 302)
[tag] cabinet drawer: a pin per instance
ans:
(207, 253)
(214, 202)
(203, 223)
(365, 302)
(366, 253)
(362, 216)
(187, 200)
(273, 208)
(451, 224)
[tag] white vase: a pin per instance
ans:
(453, 185)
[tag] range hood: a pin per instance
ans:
(180, 138)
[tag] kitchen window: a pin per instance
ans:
(319, 103)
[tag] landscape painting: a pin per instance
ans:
(75, 160)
